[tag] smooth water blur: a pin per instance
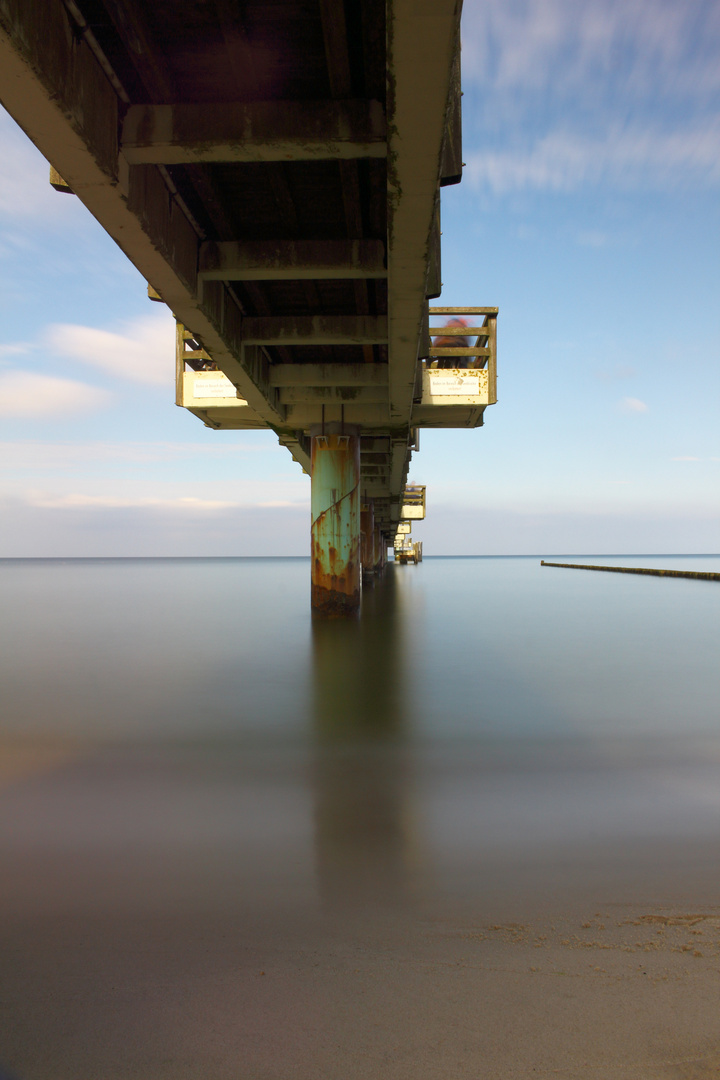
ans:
(155, 649)
(233, 836)
(505, 647)
(461, 648)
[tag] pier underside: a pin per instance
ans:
(274, 171)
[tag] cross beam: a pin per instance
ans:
(283, 375)
(315, 330)
(291, 260)
(262, 131)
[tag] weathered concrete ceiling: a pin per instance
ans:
(273, 170)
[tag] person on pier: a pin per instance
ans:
(454, 342)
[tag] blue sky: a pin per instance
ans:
(588, 213)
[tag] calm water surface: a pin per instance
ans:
(235, 841)
(461, 648)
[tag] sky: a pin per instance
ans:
(588, 213)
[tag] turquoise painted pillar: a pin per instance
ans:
(335, 511)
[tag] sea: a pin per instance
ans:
(486, 650)
(231, 832)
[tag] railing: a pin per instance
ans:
(473, 379)
(203, 385)
(413, 503)
(405, 550)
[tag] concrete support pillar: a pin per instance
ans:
(367, 537)
(335, 509)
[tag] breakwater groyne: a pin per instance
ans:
(700, 575)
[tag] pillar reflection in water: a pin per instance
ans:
(363, 807)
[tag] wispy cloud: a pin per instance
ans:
(189, 505)
(568, 48)
(25, 394)
(31, 454)
(625, 157)
(632, 405)
(14, 349)
(686, 457)
(144, 353)
(77, 501)
(619, 92)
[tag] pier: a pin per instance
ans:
(275, 174)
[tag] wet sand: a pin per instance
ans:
(355, 911)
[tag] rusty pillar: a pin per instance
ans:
(335, 503)
(367, 537)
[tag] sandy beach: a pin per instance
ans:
(284, 913)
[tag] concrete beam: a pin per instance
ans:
(329, 375)
(243, 419)
(261, 131)
(299, 447)
(447, 416)
(375, 444)
(375, 461)
(315, 330)
(52, 84)
(303, 416)
(399, 465)
(292, 260)
(372, 489)
(423, 39)
(326, 395)
(462, 311)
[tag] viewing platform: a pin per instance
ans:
(405, 550)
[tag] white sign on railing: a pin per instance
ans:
(455, 386)
(445, 383)
(216, 386)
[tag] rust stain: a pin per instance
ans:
(335, 576)
(334, 604)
